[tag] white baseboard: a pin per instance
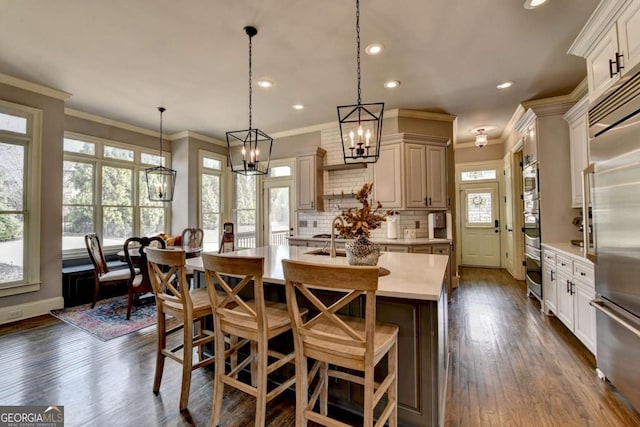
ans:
(30, 309)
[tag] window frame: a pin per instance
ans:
(100, 160)
(32, 142)
(223, 174)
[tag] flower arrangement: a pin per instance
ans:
(361, 221)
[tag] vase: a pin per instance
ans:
(362, 251)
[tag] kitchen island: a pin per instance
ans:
(411, 296)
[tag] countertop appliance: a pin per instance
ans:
(612, 182)
(531, 230)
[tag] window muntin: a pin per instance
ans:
(116, 205)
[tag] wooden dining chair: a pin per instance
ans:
(191, 239)
(351, 343)
(254, 321)
(174, 298)
(102, 275)
(135, 255)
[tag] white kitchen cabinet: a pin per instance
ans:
(425, 176)
(610, 42)
(411, 172)
(309, 181)
(574, 288)
(387, 176)
(549, 281)
(396, 248)
(577, 120)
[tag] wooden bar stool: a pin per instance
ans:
(355, 344)
(254, 321)
(188, 306)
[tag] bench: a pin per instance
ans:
(78, 282)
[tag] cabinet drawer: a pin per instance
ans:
(583, 271)
(549, 256)
(564, 264)
(441, 249)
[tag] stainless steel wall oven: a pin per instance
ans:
(531, 230)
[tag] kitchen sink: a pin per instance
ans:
(325, 252)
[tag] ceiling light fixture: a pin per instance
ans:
(374, 49)
(532, 4)
(249, 150)
(481, 138)
(161, 181)
(504, 85)
(391, 84)
(298, 107)
(264, 83)
(360, 124)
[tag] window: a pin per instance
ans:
(245, 210)
(211, 199)
(480, 175)
(19, 199)
(105, 191)
(479, 211)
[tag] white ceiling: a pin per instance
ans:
(120, 59)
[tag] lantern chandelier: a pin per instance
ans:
(249, 150)
(161, 181)
(360, 124)
(481, 138)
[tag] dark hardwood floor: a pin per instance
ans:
(510, 366)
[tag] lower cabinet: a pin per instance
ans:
(569, 287)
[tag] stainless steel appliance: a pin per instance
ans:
(531, 230)
(612, 183)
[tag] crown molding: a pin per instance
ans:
(413, 137)
(599, 22)
(513, 122)
(419, 114)
(34, 87)
(303, 130)
(578, 109)
(109, 122)
(198, 136)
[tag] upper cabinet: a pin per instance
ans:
(310, 182)
(576, 117)
(412, 172)
(610, 42)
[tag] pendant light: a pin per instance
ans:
(161, 181)
(360, 124)
(481, 138)
(249, 150)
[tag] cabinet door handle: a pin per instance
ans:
(618, 64)
(312, 203)
(611, 73)
(571, 291)
(567, 286)
(552, 275)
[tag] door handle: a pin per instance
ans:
(552, 275)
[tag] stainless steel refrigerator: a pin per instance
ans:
(612, 184)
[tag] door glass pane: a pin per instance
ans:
(479, 211)
(279, 171)
(210, 205)
(210, 163)
(116, 186)
(245, 215)
(279, 215)
(11, 248)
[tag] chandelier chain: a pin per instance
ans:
(358, 44)
(250, 90)
(161, 109)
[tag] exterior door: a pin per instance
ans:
(278, 211)
(480, 224)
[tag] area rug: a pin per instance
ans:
(108, 319)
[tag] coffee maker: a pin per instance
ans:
(439, 225)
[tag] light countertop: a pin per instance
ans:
(407, 242)
(413, 276)
(568, 249)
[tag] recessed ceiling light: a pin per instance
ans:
(265, 83)
(391, 84)
(297, 106)
(532, 4)
(374, 49)
(504, 85)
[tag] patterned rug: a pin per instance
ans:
(108, 319)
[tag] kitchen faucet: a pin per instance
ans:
(332, 252)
